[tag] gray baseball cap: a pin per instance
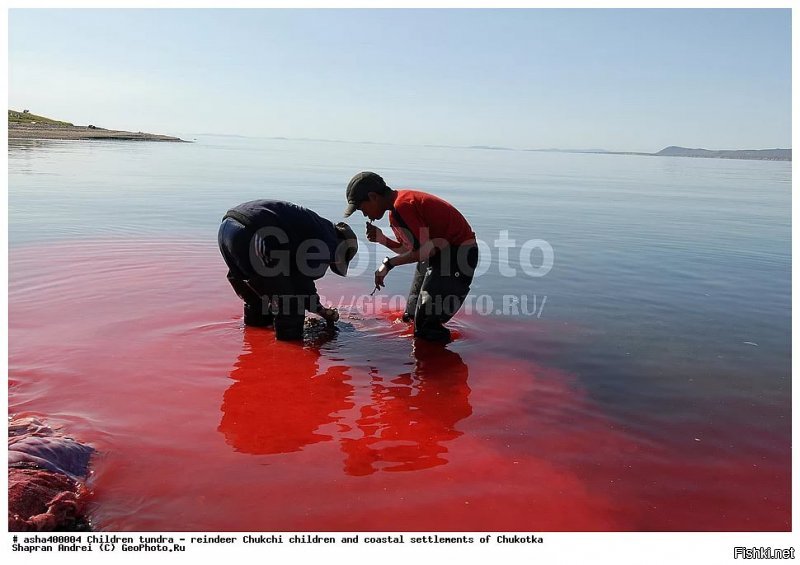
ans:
(359, 188)
(346, 250)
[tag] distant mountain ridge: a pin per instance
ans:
(671, 151)
(763, 154)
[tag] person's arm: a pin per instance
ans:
(412, 224)
(395, 246)
(305, 287)
(412, 256)
(376, 235)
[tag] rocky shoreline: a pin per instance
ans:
(70, 132)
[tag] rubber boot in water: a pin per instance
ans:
(256, 317)
(433, 332)
(289, 328)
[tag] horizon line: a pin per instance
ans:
(480, 147)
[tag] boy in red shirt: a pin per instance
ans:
(429, 232)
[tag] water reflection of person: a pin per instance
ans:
(411, 416)
(279, 398)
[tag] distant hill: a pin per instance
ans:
(24, 125)
(26, 117)
(556, 150)
(491, 147)
(672, 151)
(764, 154)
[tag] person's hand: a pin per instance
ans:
(374, 234)
(379, 276)
(381, 273)
(330, 315)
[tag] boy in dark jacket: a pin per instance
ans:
(275, 251)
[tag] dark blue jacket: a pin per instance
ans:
(300, 226)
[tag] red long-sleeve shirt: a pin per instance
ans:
(428, 217)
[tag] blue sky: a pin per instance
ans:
(622, 80)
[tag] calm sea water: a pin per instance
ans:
(650, 385)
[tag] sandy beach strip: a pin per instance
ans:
(45, 131)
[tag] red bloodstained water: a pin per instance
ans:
(138, 348)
